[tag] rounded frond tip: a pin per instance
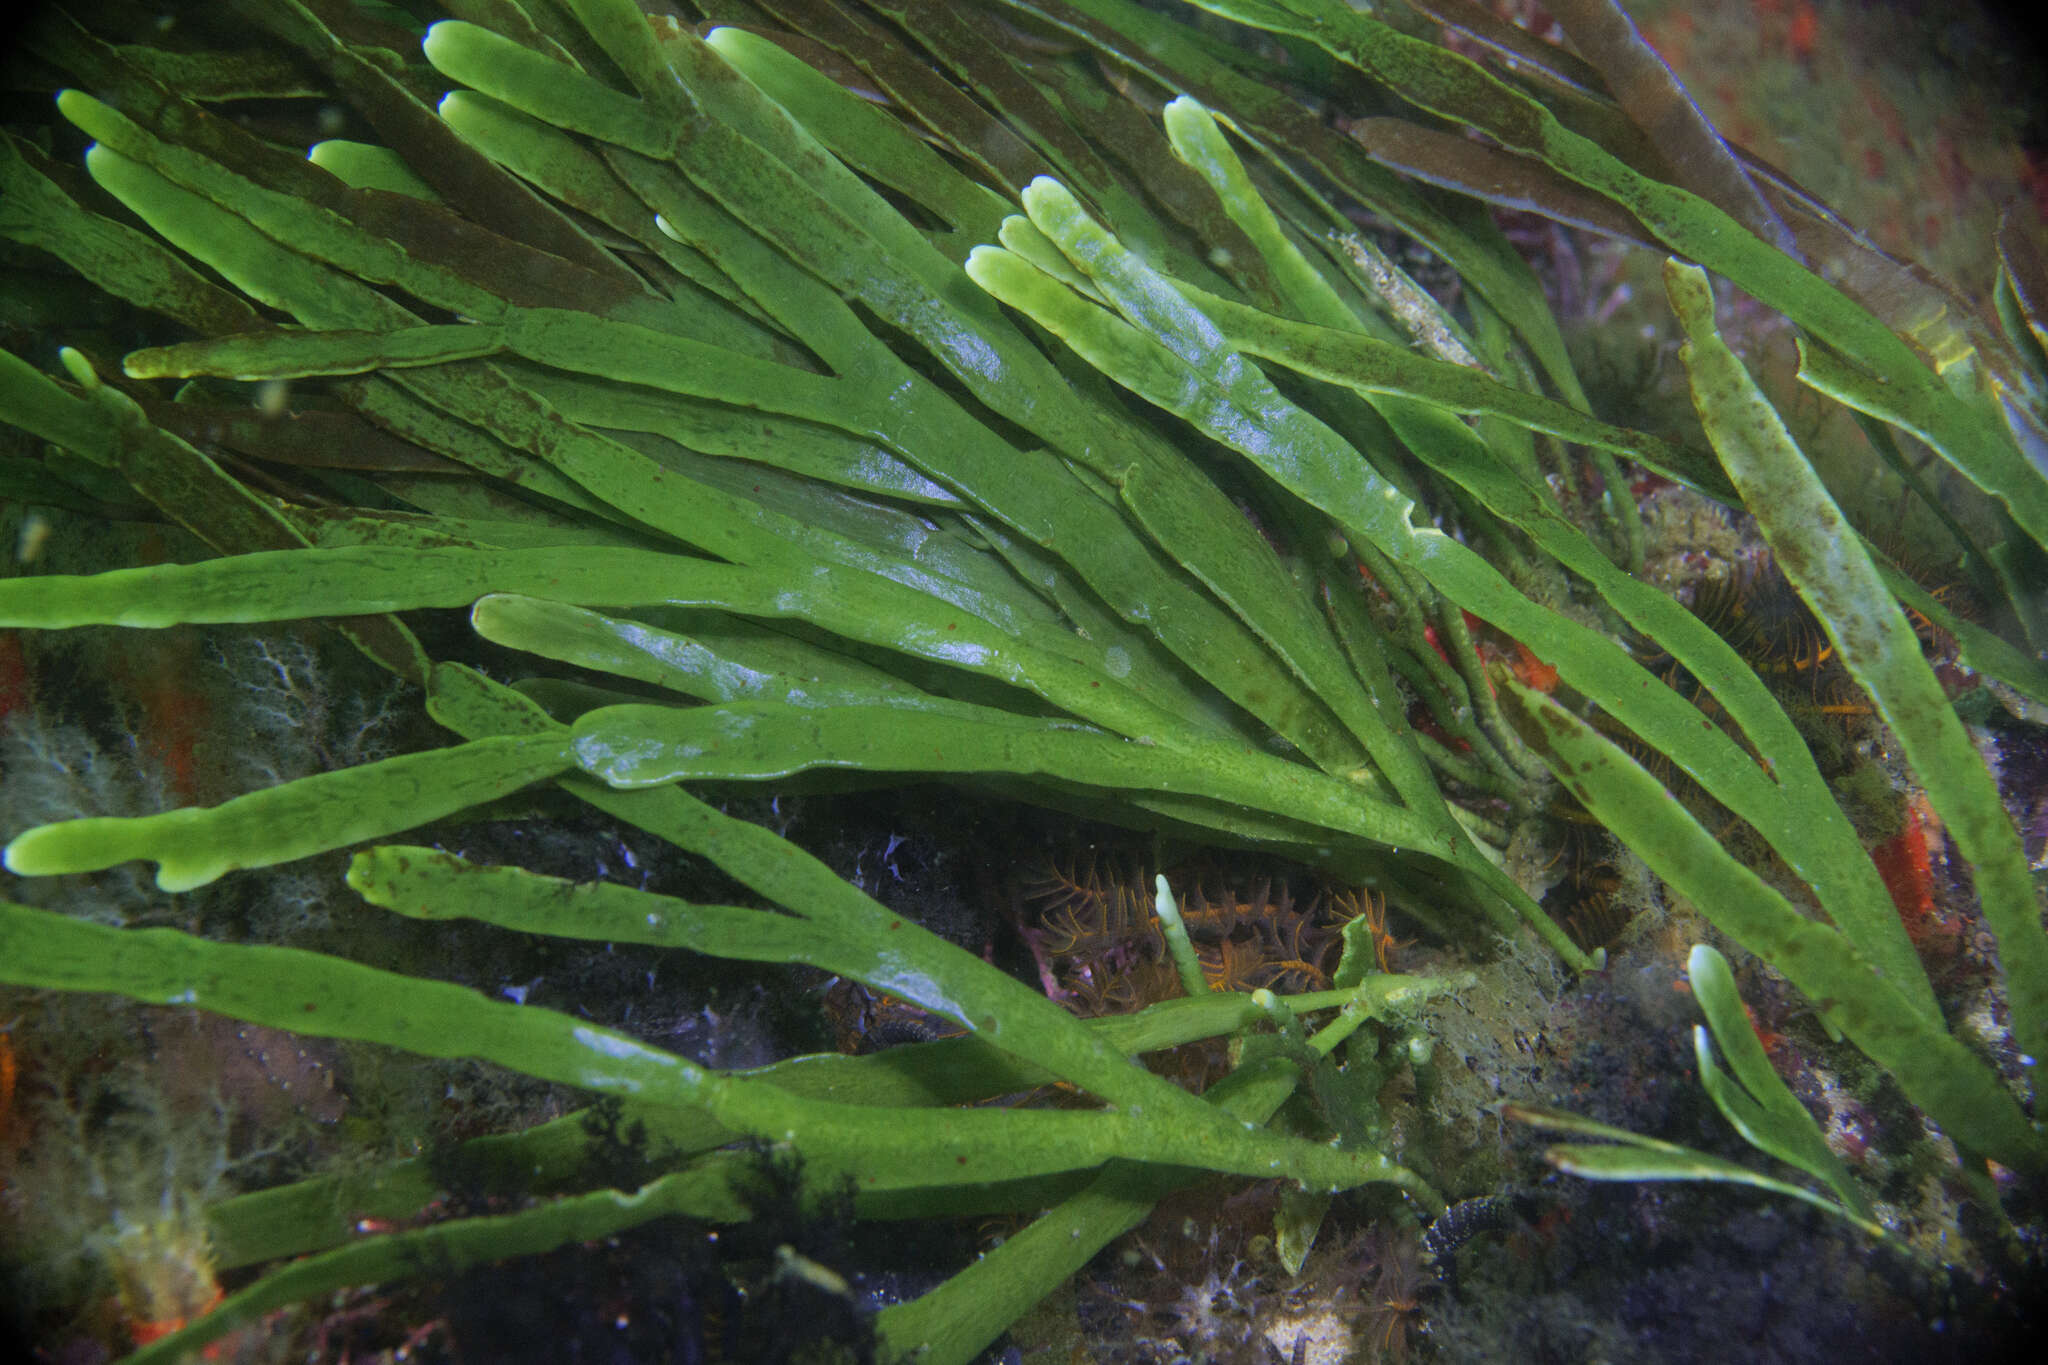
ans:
(177, 875)
(1046, 193)
(71, 102)
(43, 852)
(97, 843)
(983, 259)
(439, 34)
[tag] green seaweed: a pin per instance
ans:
(1750, 1095)
(917, 439)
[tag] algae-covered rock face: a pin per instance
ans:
(1037, 399)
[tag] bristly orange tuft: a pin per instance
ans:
(1100, 950)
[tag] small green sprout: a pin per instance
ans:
(1750, 1095)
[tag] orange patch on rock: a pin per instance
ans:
(14, 690)
(1532, 671)
(1905, 863)
(1805, 31)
